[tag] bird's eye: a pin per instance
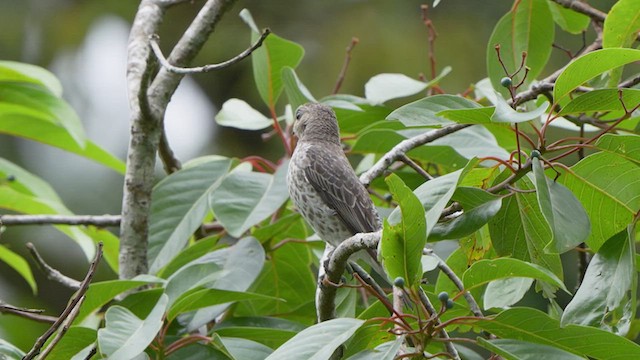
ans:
(298, 114)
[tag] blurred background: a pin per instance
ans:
(84, 42)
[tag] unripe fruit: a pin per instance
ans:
(506, 81)
(449, 304)
(443, 296)
(398, 282)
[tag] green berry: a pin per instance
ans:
(535, 154)
(399, 282)
(11, 178)
(449, 304)
(506, 81)
(443, 296)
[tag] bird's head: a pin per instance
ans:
(316, 122)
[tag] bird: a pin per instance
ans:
(322, 184)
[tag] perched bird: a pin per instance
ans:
(323, 185)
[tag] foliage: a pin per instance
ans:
(232, 277)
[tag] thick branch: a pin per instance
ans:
(52, 274)
(95, 220)
(405, 146)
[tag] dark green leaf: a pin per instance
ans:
(484, 271)
(272, 332)
(601, 100)
(522, 350)
(208, 297)
(425, 112)
(78, 341)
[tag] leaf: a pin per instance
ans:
(125, 336)
(10, 351)
(426, 112)
(565, 215)
(319, 341)
(383, 87)
(208, 297)
(527, 27)
(269, 59)
(238, 114)
(190, 253)
(11, 71)
(503, 293)
(467, 223)
(297, 93)
(606, 286)
(621, 25)
(355, 116)
(76, 344)
(178, 205)
(537, 327)
(20, 265)
(607, 185)
(272, 332)
(476, 115)
(601, 100)
(246, 349)
(401, 249)
(627, 146)
(506, 114)
(385, 351)
(246, 198)
(484, 271)
(523, 350)
(569, 20)
(590, 65)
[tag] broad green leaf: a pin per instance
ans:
(12, 72)
(537, 327)
(622, 24)
(208, 297)
(385, 351)
(426, 112)
(627, 146)
(520, 230)
(319, 341)
(75, 344)
(402, 249)
(565, 215)
(607, 185)
(179, 203)
(269, 59)
(569, 20)
(506, 114)
(384, 87)
(471, 142)
(467, 223)
(20, 265)
(246, 349)
(353, 117)
(125, 336)
(601, 100)
(505, 292)
(272, 332)
(458, 263)
(610, 277)
(238, 114)
(100, 293)
(9, 350)
(476, 115)
(484, 271)
(190, 253)
(590, 65)
(246, 198)
(523, 350)
(297, 93)
(527, 27)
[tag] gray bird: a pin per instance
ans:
(322, 183)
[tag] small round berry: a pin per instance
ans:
(11, 178)
(449, 304)
(443, 296)
(506, 81)
(535, 154)
(399, 282)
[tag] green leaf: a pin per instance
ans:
(607, 185)
(246, 349)
(297, 93)
(468, 222)
(528, 26)
(272, 332)
(384, 87)
(484, 271)
(238, 114)
(76, 344)
(601, 100)
(209, 297)
(590, 65)
(569, 20)
(565, 215)
(10, 351)
(246, 198)
(354, 115)
(190, 253)
(503, 293)
(384, 351)
(20, 265)
(179, 203)
(607, 284)
(476, 115)
(626, 146)
(506, 114)
(523, 350)
(12, 72)
(269, 59)
(622, 24)
(537, 327)
(402, 249)
(319, 341)
(426, 112)
(125, 336)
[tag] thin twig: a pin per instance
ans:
(153, 41)
(473, 305)
(169, 160)
(583, 8)
(52, 274)
(412, 164)
(73, 303)
(63, 329)
(31, 314)
(345, 65)
(95, 220)
(443, 333)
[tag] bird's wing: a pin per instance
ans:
(339, 187)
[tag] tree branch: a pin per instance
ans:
(405, 146)
(31, 314)
(73, 303)
(583, 8)
(206, 68)
(52, 274)
(95, 220)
